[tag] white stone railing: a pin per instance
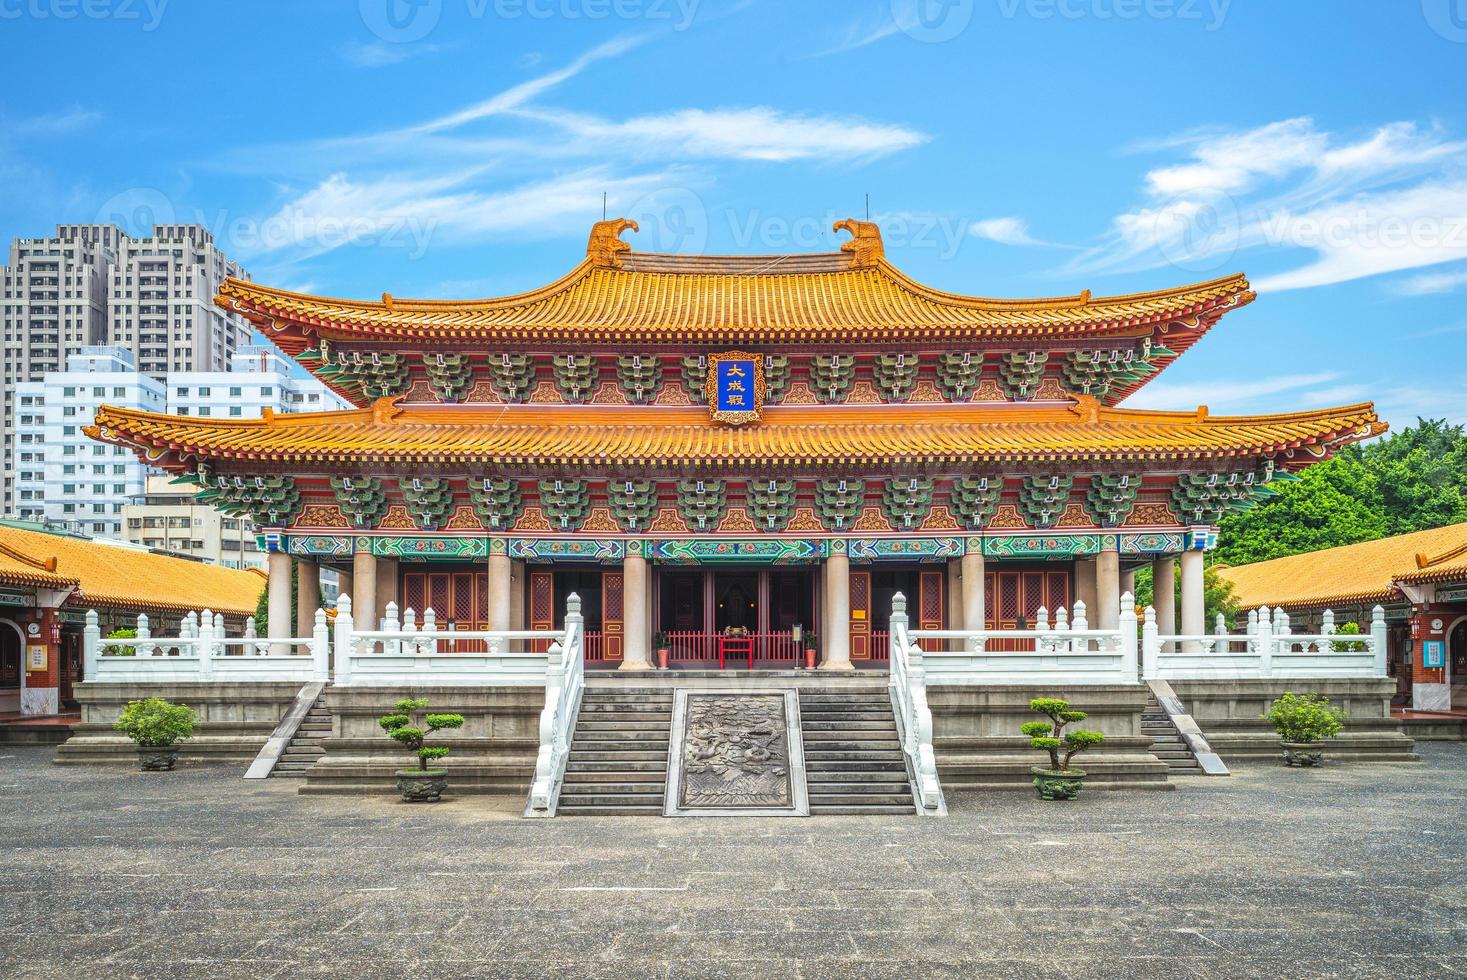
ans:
(201, 652)
(1066, 652)
(409, 653)
(565, 679)
(1267, 648)
(908, 686)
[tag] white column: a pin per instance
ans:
(307, 596)
(1164, 594)
(1193, 608)
(516, 595)
(634, 611)
(500, 586)
(838, 614)
(1107, 587)
(974, 613)
(364, 590)
(280, 625)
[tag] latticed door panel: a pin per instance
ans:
(929, 606)
(860, 615)
(542, 606)
(613, 615)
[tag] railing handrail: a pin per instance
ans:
(908, 685)
(565, 672)
(202, 647)
(1270, 648)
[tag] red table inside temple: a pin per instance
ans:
(737, 646)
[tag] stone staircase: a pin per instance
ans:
(853, 758)
(618, 755)
(305, 746)
(1167, 743)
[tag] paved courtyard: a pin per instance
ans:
(1358, 871)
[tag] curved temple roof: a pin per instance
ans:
(794, 438)
(619, 297)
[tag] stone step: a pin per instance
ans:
(613, 800)
(854, 725)
(651, 735)
(862, 759)
(872, 701)
(587, 767)
(810, 719)
(588, 810)
(813, 747)
(638, 724)
(860, 799)
(856, 733)
(635, 787)
(856, 776)
(632, 695)
(578, 777)
(631, 712)
(838, 810)
(890, 787)
(585, 755)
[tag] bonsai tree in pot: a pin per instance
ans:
(1058, 781)
(420, 785)
(156, 725)
(1304, 721)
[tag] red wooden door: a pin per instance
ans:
(613, 616)
(860, 615)
(542, 606)
(1014, 598)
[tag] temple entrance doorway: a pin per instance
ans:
(766, 611)
(1457, 664)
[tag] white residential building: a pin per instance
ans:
(168, 518)
(67, 480)
(93, 284)
(63, 477)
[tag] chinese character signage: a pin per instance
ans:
(1433, 653)
(735, 387)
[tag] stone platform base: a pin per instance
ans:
(235, 719)
(1440, 729)
(979, 746)
(493, 753)
(1230, 714)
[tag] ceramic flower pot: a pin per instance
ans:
(1304, 755)
(421, 785)
(663, 653)
(157, 758)
(1057, 784)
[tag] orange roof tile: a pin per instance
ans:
(1363, 573)
(108, 574)
(793, 437)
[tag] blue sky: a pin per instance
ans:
(460, 148)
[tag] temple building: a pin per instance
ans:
(757, 447)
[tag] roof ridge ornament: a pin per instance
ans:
(385, 409)
(47, 564)
(605, 245)
(865, 242)
(1086, 406)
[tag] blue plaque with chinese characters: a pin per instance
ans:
(1433, 653)
(735, 387)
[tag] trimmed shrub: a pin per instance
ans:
(156, 723)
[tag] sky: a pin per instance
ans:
(1010, 148)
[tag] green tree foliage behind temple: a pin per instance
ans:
(1410, 481)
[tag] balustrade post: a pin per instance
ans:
(1127, 625)
(344, 641)
(1378, 640)
(92, 646)
(321, 646)
(1079, 624)
(390, 624)
(430, 630)
(896, 628)
(1150, 645)
(205, 645)
(1263, 643)
(143, 649)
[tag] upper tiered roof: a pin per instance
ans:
(619, 298)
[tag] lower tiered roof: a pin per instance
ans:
(789, 438)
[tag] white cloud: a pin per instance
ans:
(381, 55)
(1005, 231)
(56, 123)
(1390, 200)
(1230, 393)
(1433, 282)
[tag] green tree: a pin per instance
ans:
(1217, 593)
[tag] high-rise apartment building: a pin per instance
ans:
(94, 285)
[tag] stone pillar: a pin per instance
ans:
(343, 582)
(1164, 593)
(500, 585)
(634, 611)
(307, 596)
(364, 590)
(1107, 615)
(1194, 612)
(387, 589)
(838, 614)
(954, 595)
(1084, 586)
(974, 614)
(279, 625)
(1128, 581)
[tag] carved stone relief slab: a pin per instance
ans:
(736, 753)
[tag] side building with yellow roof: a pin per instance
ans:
(1421, 581)
(48, 581)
